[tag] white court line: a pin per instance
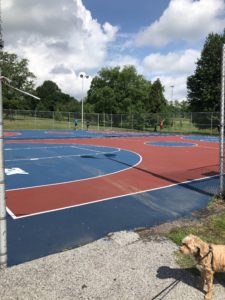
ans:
(211, 148)
(106, 199)
(64, 146)
(32, 148)
(210, 140)
(59, 156)
(92, 150)
(64, 156)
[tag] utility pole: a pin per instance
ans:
(3, 226)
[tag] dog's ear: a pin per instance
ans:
(203, 249)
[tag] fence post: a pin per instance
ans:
(211, 123)
(144, 122)
(53, 120)
(35, 119)
(190, 123)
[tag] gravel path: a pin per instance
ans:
(121, 266)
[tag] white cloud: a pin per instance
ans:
(56, 33)
(6, 4)
(175, 87)
(188, 20)
(173, 62)
(125, 60)
(172, 69)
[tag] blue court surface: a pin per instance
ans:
(59, 163)
(29, 238)
(206, 138)
(69, 134)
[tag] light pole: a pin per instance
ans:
(82, 76)
(172, 86)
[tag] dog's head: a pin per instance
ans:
(193, 246)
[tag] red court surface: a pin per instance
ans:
(160, 167)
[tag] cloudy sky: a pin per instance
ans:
(61, 39)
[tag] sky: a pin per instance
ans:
(65, 38)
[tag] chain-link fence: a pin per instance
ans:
(201, 122)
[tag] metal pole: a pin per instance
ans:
(222, 122)
(82, 76)
(3, 226)
(172, 86)
(53, 120)
(211, 123)
(82, 102)
(98, 123)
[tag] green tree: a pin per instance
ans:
(53, 99)
(205, 85)
(49, 93)
(16, 69)
(117, 90)
(102, 93)
(177, 107)
(157, 101)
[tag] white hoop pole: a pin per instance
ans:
(222, 122)
(3, 225)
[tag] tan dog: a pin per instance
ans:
(209, 259)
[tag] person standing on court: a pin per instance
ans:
(75, 123)
(161, 124)
(88, 124)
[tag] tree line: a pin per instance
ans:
(119, 90)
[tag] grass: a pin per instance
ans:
(36, 124)
(49, 123)
(210, 226)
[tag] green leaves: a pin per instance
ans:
(53, 99)
(17, 70)
(117, 90)
(204, 86)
